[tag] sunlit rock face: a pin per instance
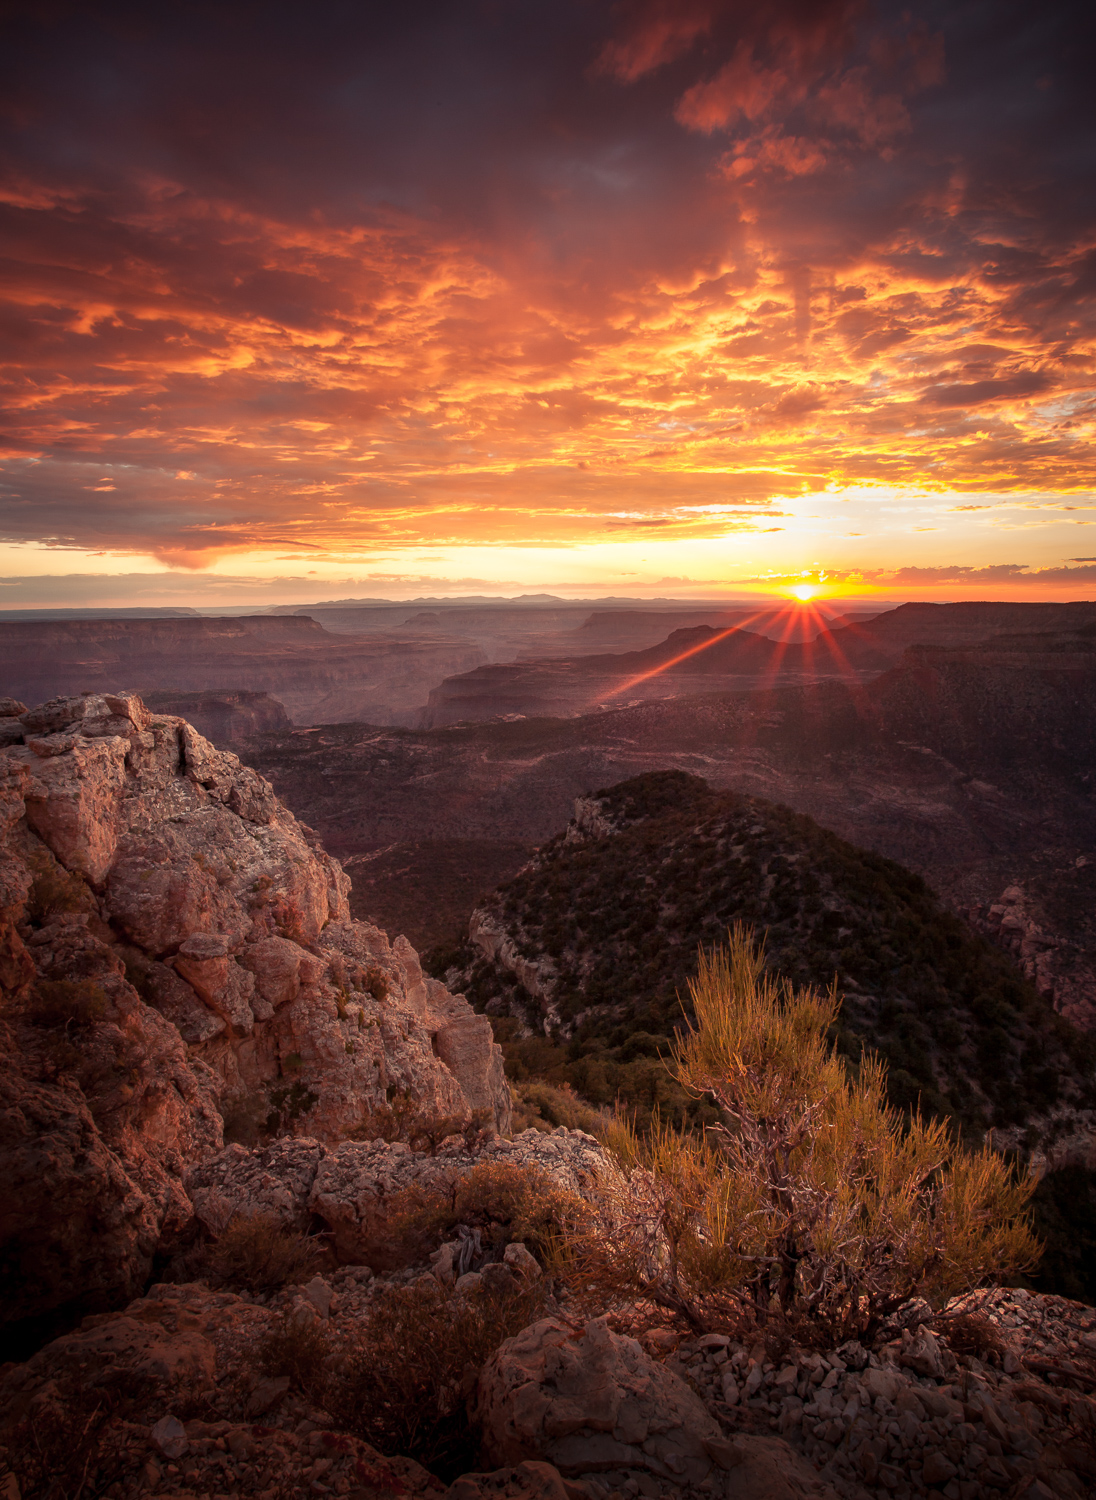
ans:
(175, 949)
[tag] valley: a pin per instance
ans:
(315, 675)
(973, 768)
(736, 655)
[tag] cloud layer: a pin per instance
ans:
(536, 275)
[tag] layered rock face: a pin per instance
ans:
(354, 1188)
(319, 678)
(176, 949)
(230, 720)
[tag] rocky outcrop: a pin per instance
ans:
(115, 1392)
(357, 1189)
(987, 1398)
(1061, 969)
(175, 949)
(591, 1402)
(228, 719)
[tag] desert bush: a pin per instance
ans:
(543, 1106)
(375, 982)
(812, 1197)
(297, 1346)
(405, 1382)
(73, 1443)
(65, 1003)
(973, 1333)
(55, 889)
(503, 1201)
(257, 1252)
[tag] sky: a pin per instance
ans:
(635, 298)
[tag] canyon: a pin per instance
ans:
(200, 1043)
(730, 657)
(971, 765)
(316, 676)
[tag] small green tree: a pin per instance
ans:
(812, 1196)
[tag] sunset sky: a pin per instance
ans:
(679, 299)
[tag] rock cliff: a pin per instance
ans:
(320, 678)
(229, 719)
(176, 951)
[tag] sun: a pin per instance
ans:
(805, 591)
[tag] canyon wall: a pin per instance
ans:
(176, 953)
(318, 677)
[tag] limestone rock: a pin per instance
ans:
(588, 1401)
(357, 1188)
(277, 1180)
(526, 1481)
(767, 1468)
(276, 965)
(174, 945)
(591, 1402)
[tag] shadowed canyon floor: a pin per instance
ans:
(973, 767)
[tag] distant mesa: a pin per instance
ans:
(734, 659)
(316, 676)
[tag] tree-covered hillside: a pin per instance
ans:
(606, 922)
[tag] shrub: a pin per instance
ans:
(255, 1251)
(544, 1107)
(375, 982)
(58, 1003)
(298, 1347)
(404, 1384)
(505, 1202)
(55, 889)
(812, 1197)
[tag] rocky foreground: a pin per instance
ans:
(178, 967)
(177, 956)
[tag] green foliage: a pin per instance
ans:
(622, 917)
(542, 1106)
(813, 1196)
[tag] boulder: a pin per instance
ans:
(588, 1400)
(591, 1402)
(72, 797)
(527, 1481)
(276, 965)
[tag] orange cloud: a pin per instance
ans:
(661, 273)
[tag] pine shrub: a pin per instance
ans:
(813, 1199)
